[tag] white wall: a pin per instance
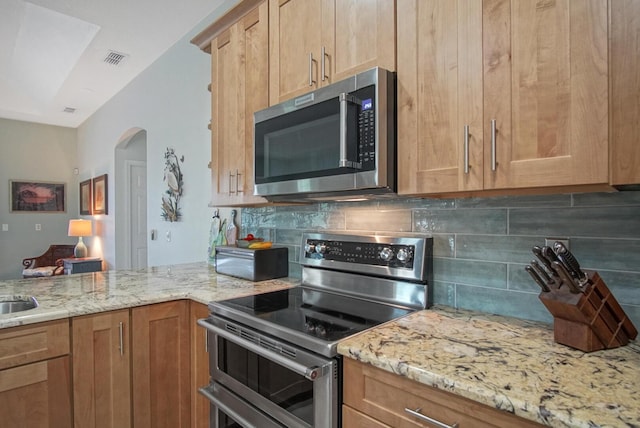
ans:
(171, 102)
(30, 151)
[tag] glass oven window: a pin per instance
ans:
(290, 391)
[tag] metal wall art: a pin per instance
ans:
(173, 177)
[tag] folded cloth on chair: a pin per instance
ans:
(40, 271)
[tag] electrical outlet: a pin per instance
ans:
(5, 227)
(38, 227)
(550, 241)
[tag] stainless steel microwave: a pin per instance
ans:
(335, 143)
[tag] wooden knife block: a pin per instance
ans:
(588, 321)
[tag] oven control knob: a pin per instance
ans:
(309, 248)
(386, 254)
(321, 248)
(403, 255)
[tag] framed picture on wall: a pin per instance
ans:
(37, 196)
(86, 202)
(100, 202)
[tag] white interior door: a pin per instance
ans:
(138, 214)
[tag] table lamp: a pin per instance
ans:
(80, 228)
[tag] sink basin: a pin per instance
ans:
(11, 304)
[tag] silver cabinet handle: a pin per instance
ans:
(121, 333)
(311, 81)
(419, 415)
(493, 145)
(238, 188)
(206, 340)
(231, 192)
(466, 149)
(322, 66)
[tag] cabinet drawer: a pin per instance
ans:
(26, 344)
(384, 396)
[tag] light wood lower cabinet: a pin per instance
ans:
(102, 370)
(199, 367)
(136, 368)
(35, 378)
(161, 365)
(376, 398)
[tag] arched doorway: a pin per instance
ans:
(131, 200)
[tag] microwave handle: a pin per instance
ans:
(344, 161)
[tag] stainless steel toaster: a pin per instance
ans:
(252, 264)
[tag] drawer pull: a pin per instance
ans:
(121, 337)
(419, 415)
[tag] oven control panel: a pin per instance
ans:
(368, 253)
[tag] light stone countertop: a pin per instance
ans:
(509, 364)
(80, 294)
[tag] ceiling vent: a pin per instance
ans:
(115, 58)
(69, 110)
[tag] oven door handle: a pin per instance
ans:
(311, 373)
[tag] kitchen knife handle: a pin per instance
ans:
(541, 272)
(538, 280)
(466, 149)
(539, 253)
(570, 262)
(494, 162)
(566, 277)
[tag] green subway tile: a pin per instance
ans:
(444, 293)
(516, 201)
(507, 249)
(520, 280)
(289, 236)
(390, 221)
(606, 199)
(481, 221)
(625, 286)
(444, 245)
(610, 222)
(468, 272)
(502, 302)
(607, 254)
(402, 203)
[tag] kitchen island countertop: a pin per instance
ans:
(509, 364)
(66, 296)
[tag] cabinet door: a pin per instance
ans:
(625, 87)
(439, 93)
(239, 83)
(199, 366)
(101, 370)
(161, 365)
(295, 33)
(361, 37)
(546, 87)
(36, 395)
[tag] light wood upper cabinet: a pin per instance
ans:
(317, 42)
(102, 370)
(538, 73)
(161, 365)
(625, 87)
(239, 87)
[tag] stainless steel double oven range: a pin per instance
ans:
(273, 358)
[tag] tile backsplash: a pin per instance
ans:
(481, 245)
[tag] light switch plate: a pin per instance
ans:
(5, 227)
(38, 226)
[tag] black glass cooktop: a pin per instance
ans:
(320, 315)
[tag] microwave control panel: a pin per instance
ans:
(367, 127)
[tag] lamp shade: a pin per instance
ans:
(80, 228)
